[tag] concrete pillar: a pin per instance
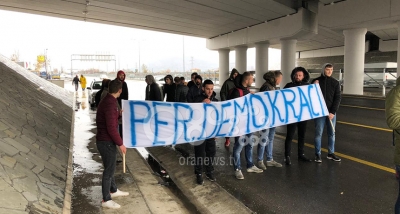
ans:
(398, 49)
(223, 65)
(354, 58)
(261, 62)
(288, 59)
(241, 59)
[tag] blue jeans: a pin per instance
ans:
(266, 141)
(247, 142)
(108, 152)
(397, 206)
(319, 129)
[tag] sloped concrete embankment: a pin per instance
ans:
(35, 130)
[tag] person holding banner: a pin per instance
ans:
(300, 76)
(195, 90)
(267, 135)
(107, 140)
(205, 152)
(228, 85)
(246, 141)
(330, 89)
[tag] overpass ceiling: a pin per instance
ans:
(201, 18)
(386, 34)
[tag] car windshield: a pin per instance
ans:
(97, 85)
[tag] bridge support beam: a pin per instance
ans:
(354, 58)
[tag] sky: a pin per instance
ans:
(32, 35)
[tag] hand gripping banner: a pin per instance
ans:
(151, 123)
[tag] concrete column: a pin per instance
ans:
(261, 62)
(354, 58)
(288, 59)
(223, 65)
(398, 49)
(241, 59)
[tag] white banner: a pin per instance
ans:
(151, 123)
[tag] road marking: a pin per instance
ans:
(368, 98)
(378, 109)
(365, 126)
(384, 168)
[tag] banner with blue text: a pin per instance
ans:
(151, 123)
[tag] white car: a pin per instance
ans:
(94, 87)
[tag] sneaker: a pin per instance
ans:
(318, 159)
(110, 204)
(119, 193)
(333, 157)
(199, 179)
(227, 142)
(287, 161)
(239, 175)
(254, 169)
(302, 157)
(211, 177)
(273, 163)
(261, 165)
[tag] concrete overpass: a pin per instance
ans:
(300, 28)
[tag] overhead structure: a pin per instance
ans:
(314, 27)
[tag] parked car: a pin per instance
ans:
(94, 87)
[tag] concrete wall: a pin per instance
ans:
(35, 130)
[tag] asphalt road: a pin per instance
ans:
(364, 182)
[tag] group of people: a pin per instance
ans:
(78, 80)
(109, 113)
(237, 85)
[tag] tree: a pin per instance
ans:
(145, 69)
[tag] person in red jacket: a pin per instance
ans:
(107, 140)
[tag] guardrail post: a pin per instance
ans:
(384, 82)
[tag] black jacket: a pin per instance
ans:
(124, 95)
(294, 83)
(153, 92)
(190, 84)
(270, 82)
(194, 91)
(202, 96)
(235, 92)
(169, 90)
(181, 93)
(330, 88)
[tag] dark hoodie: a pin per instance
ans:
(125, 94)
(330, 88)
(228, 85)
(303, 82)
(270, 82)
(152, 90)
(194, 91)
(235, 92)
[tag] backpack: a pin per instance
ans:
(231, 90)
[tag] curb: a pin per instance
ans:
(157, 200)
(68, 184)
(208, 198)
